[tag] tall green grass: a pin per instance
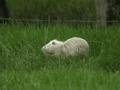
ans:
(23, 65)
(20, 45)
(59, 79)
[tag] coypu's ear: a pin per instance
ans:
(56, 39)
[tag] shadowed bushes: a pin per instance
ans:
(52, 9)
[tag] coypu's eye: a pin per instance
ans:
(53, 43)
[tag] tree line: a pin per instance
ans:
(102, 11)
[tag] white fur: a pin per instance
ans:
(74, 46)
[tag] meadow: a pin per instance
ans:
(24, 67)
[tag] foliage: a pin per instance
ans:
(52, 9)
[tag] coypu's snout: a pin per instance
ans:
(43, 49)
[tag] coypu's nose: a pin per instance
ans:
(43, 48)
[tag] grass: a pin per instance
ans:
(23, 66)
(59, 79)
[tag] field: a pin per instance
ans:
(24, 67)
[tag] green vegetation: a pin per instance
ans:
(23, 66)
(59, 79)
(53, 9)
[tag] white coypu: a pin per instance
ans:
(74, 46)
